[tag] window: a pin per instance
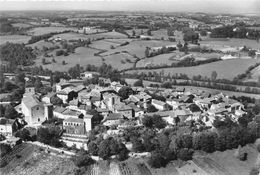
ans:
(38, 119)
(37, 108)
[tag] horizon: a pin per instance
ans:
(166, 6)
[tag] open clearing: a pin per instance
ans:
(227, 69)
(14, 39)
(82, 56)
(46, 30)
(163, 59)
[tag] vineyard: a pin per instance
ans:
(18, 154)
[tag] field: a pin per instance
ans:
(14, 39)
(82, 56)
(233, 42)
(137, 47)
(40, 163)
(164, 59)
(103, 44)
(76, 36)
(41, 44)
(21, 25)
(120, 60)
(46, 30)
(227, 69)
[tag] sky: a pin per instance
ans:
(207, 6)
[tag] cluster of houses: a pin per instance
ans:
(179, 106)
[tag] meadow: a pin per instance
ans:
(14, 39)
(46, 30)
(120, 61)
(82, 56)
(227, 69)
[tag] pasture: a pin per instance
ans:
(76, 36)
(103, 44)
(227, 69)
(14, 39)
(82, 56)
(41, 44)
(120, 61)
(137, 47)
(232, 42)
(163, 59)
(46, 30)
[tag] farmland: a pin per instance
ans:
(120, 60)
(82, 56)
(14, 39)
(227, 69)
(46, 30)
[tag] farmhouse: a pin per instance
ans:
(8, 127)
(160, 105)
(88, 75)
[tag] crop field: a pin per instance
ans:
(14, 39)
(19, 154)
(233, 42)
(82, 56)
(227, 69)
(46, 30)
(120, 60)
(137, 47)
(42, 163)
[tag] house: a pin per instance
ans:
(160, 105)
(137, 111)
(34, 111)
(47, 98)
(182, 114)
(62, 85)
(65, 113)
(125, 110)
(172, 102)
(67, 94)
(113, 119)
(103, 111)
(88, 75)
(7, 127)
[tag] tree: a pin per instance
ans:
(93, 148)
(133, 33)
(4, 149)
(147, 121)
(139, 83)
(157, 160)
(151, 108)
(147, 52)
(122, 152)
(49, 135)
(56, 100)
(149, 32)
(83, 160)
(63, 62)
(10, 112)
(159, 123)
(24, 134)
(137, 145)
(214, 75)
(124, 92)
(38, 85)
(43, 61)
(185, 154)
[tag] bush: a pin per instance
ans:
(83, 160)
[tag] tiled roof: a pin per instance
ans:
(114, 116)
(5, 121)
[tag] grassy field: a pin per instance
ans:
(82, 56)
(46, 30)
(227, 69)
(21, 25)
(255, 73)
(120, 61)
(76, 36)
(164, 59)
(14, 39)
(42, 43)
(233, 42)
(103, 44)
(137, 47)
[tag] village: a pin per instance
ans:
(85, 113)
